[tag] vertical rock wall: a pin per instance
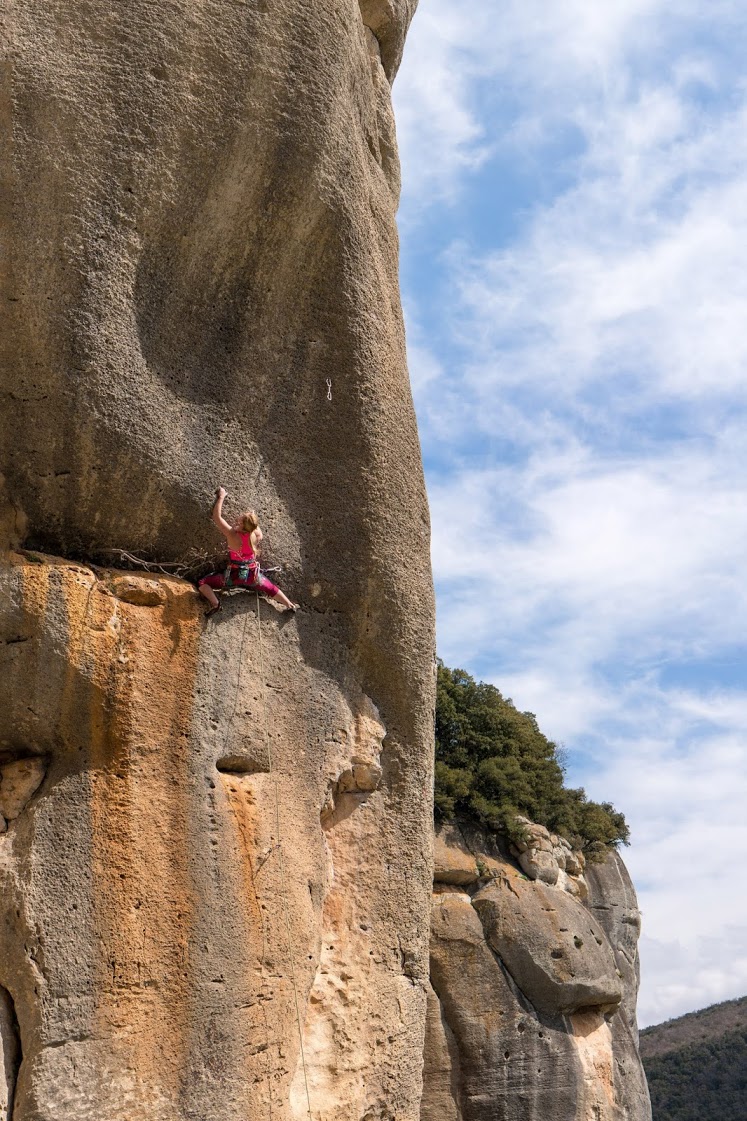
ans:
(534, 982)
(200, 287)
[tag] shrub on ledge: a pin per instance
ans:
(494, 764)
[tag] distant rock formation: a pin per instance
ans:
(199, 287)
(534, 983)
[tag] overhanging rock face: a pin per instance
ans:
(198, 210)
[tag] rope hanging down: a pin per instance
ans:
(283, 892)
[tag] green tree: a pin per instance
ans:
(494, 764)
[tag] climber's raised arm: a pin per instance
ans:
(217, 514)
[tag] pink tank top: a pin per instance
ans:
(246, 556)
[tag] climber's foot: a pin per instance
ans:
(214, 610)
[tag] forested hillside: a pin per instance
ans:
(696, 1065)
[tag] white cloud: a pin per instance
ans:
(582, 388)
(534, 53)
(694, 975)
(636, 272)
(597, 554)
(687, 801)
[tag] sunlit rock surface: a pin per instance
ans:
(200, 287)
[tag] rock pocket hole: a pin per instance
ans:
(239, 765)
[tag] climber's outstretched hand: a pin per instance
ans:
(217, 514)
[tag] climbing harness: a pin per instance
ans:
(239, 575)
(284, 896)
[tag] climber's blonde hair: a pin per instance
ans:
(248, 521)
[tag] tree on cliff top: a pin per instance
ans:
(493, 764)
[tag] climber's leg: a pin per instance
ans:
(267, 588)
(284, 600)
(209, 594)
(206, 585)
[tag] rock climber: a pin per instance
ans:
(244, 538)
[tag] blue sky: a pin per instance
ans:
(574, 228)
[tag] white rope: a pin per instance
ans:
(283, 892)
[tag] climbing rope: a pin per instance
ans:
(278, 835)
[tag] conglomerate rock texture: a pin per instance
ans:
(215, 839)
(534, 981)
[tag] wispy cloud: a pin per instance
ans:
(474, 78)
(580, 379)
(635, 273)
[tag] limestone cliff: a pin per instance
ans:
(534, 973)
(199, 286)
